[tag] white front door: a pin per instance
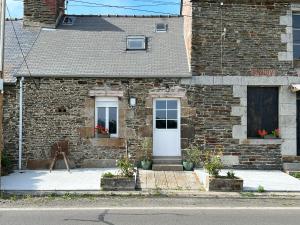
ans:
(166, 127)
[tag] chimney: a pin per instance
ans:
(43, 13)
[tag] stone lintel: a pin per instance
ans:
(106, 93)
(175, 92)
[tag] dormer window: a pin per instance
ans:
(161, 27)
(136, 43)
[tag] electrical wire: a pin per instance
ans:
(100, 5)
(121, 7)
(19, 44)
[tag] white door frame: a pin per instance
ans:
(178, 152)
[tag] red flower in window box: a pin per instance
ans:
(276, 133)
(101, 130)
(262, 133)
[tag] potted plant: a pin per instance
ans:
(125, 180)
(101, 131)
(5, 164)
(276, 133)
(192, 159)
(214, 182)
(273, 135)
(146, 162)
(262, 133)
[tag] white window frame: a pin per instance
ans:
(298, 29)
(107, 102)
(135, 38)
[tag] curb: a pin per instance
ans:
(161, 193)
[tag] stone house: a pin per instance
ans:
(213, 76)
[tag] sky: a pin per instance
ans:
(96, 7)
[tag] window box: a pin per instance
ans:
(269, 136)
(261, 141)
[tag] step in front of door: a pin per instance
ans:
(167, 167)
(167, 160)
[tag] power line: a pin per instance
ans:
(19, 44)
(121, 7)
(100, 5)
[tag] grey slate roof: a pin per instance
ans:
(13, 59)
(96, 47)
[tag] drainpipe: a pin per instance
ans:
(21, 122)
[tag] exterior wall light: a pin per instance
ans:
(132, 102)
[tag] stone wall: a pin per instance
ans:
(214, 123)
(45, 123)
(240, 38)
(10, 121)
(206, 120)
(43, 13)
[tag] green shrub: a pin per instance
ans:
(193, 155)
(230, 175)
(260, 189)
(296, 175)
(5, 161)
(5, 164)
(213, 166)
(147, 149)
(126, 167)
(213, 163)
(108, 175)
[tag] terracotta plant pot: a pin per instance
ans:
(189, 166)
(146, 164)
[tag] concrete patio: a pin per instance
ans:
(57, 180)
(89, 180)
(270, 180)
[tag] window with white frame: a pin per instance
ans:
(136, 43)
(296, 36)
(106, 116)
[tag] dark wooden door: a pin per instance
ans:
(298, 127)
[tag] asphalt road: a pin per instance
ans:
(151, 216)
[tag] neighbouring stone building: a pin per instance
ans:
(214, 76)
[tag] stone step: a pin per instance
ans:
(167, 167)
(289, 167)
(167, 160)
